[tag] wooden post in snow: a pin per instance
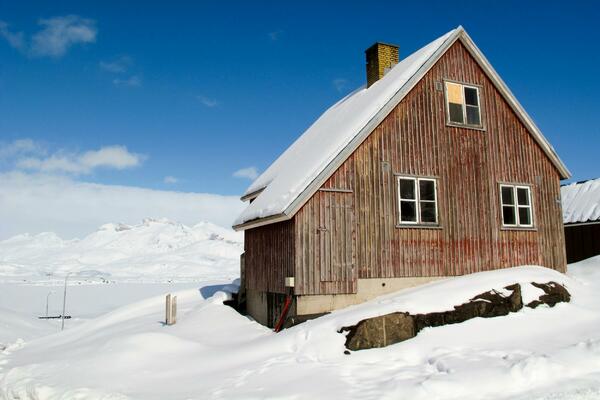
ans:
(171, 310)
(174, 310)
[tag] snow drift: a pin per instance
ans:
(213, 352)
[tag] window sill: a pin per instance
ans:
(472, 127)
(418, 226)
(519, 228)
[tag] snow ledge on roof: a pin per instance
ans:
(581, 201)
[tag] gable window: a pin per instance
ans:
(462, 102)
(417, 200)
(517, 210)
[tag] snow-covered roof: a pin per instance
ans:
(282, 189)
(581, 201)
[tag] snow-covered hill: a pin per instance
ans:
(153, 251)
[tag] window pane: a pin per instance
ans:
(524, 216)
(454, 93)
(426, 190)
(473, 116)
(454, 96)
(471, 96)
(523, 196)
(508, 215)
(428, 212)
(407, 189)
(456, 113)
(507, 195)
(408, 212)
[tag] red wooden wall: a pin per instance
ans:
(362, 212)
(469, 164)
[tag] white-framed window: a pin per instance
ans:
(463, 105)
(417, 201)
(517, 209)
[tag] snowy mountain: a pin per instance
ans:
(153, 251)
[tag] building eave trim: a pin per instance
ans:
(255, 223)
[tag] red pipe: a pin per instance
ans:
(286, 307)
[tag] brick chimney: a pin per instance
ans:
(381, 57)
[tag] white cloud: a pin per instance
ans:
(18, 147)
(170, 180)
(208, 102)
(56, 36)
(275, 35)
(133, 81)
(340, 84)
(14, 39)
(60, 33)
(115, 157)
(248, 173)
(112, 156)
(38, 203)
(117, 66)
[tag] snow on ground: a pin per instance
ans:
(153, 251)
(213, 352)
(116, 346)
(22, 304)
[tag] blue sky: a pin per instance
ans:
(199, 91)
(206, 89)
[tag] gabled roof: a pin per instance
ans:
(297, 174)
(581, 201)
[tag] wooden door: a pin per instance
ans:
(336, 238)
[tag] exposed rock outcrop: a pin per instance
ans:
(555, 293)
(399, 326)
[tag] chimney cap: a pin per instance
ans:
(382, 43)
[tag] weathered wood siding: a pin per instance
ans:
(582, 241)
(269, 256)
(326, 244)
(469, 164)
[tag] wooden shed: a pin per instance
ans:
(431, 170)
(581, 215)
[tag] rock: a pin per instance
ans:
(396, 327)
(554, 293)
(486, 305)
(380, 331)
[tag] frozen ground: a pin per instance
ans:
(117, 347)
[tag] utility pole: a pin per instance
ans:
(47, 297)
(62, 327)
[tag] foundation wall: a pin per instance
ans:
(256, 306)
(367, 289)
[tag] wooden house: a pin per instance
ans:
(581, 216)
(433, 169)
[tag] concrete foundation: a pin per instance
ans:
(367, 289)
(258, 305)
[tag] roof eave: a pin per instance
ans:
(252, 195)
(255, 223)
(581, 223)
